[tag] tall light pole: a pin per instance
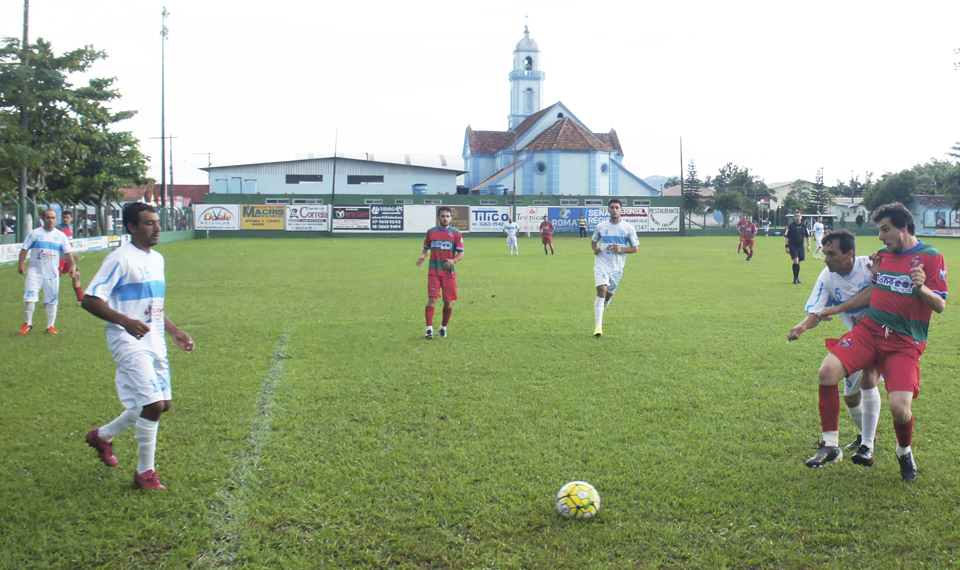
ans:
(22, 228)
(513, 200)
(163, 132)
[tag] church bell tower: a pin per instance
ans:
(526, 80)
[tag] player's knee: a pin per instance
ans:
(831, 372)
(153, 411)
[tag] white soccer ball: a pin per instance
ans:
(578, 500)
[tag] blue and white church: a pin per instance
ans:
(545, 151)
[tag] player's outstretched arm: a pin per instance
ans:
(861, 299)
(99, 308)
(806, 324)
(182, 339)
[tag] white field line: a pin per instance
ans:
(229, 508)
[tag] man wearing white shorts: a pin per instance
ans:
(612, 240)
(511, 229)
(845, 275)
(44, 246)
(818, 237)
(128, 292)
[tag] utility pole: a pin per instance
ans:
(163, 150)
(22, 228)
(163, 189)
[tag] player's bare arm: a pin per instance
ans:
(451, 262)
(20, 265)
(861, 299)
(811, 321)
(930, 299)
(422, 257)
(596, 248)
(620, 249)
(182, 339)
(100, 309)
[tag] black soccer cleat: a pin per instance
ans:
(443, 332)
(429, 335)
(863, 456)
(908, 469)
(855, 444)
(825, 454)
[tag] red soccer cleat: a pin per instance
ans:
(104, 448)
(25, 328)
(148, 480)
(51, 330)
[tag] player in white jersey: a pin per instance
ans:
(128, 292)
(818, 237)
(511, 229)
(44, 246)
(845, 275)
(612, 240)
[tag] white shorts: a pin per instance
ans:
(851, 384)
(143, 379)
(35, 284)
(511, 240)
(611, 280)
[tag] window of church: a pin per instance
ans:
(559, 115)
(528, 64)
(603, 168)
(541, 167)
(528, 101)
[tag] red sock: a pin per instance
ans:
(829, 408)
(446, 315)
(429, 313)
(904, 433)
(79, 294)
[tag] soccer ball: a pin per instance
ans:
(578, 500)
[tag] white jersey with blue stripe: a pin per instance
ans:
(606, 235)
(833, 289)
(44, 249)
(131, 281)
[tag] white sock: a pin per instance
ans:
(51, 315)
(598, 310)
(443, 327)
(146, 443)
(901, 451)
(122, 423)
(856, 414)
(870, 403)
(28, 312)
(831, 438)
(430, 328)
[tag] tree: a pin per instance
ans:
(691, 191)
(819, 198)
(722, 180)
(891, 188)
(796, 199)
(671, 182)
(67, 147)
(727, 202)
(951, 183)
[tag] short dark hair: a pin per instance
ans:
(131, 213)
(844, 239)
(614, 201)
(444, 209)
(899, 216)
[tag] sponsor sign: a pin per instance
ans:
(277, 201)
(488, 202)
(351, 218)
(114, 241)
(261, 216)
(370, 201)
(308, 200)
(307, 218)
(403, 201)
(541, 202)
(569, 202)
(529, 218)
(433, 202)
(489, 218)
(386, 218)
(217, 217)
(636, 217)
(943, 232)
(461, 218)
(565, 220)
(664, 219)
(594, 216)
(10, 252)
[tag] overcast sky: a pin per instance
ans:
(782, 88)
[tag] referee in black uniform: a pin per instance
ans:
(794, 243)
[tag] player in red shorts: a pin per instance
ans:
(546, 234)
(67, 228)
(740, 226)
(910, 282)
(445, 245)
(747, 235)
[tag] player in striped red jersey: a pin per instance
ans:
(910, 283)
(747, 235)
(444, 243)
(740, 225)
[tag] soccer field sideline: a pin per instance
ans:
(521, 330)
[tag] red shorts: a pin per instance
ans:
(896, 355)
(64, 264)
(546, 239)
(448, 283)
(747, 241)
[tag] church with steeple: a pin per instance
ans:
(545, 150)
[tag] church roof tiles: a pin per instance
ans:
(567, 134)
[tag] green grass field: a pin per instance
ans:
(314, 427)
